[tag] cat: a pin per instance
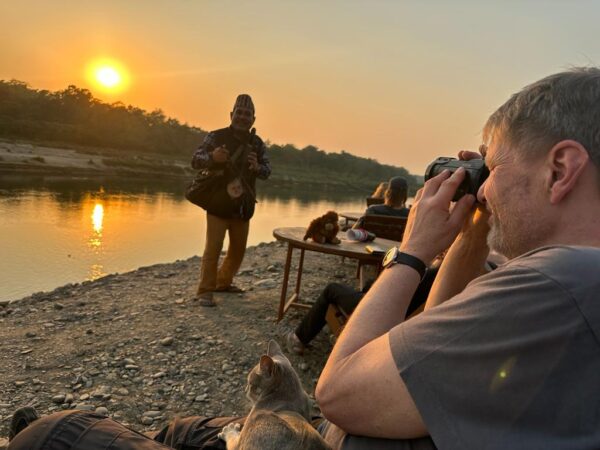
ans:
(280, 415)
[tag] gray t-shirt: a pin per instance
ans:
(514, 360)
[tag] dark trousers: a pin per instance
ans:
(347, 298)
(338, 294)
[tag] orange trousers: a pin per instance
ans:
(212, 278)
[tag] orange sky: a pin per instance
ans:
(401, 82)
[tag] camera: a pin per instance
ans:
(476, 173)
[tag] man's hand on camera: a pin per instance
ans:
(220, 154)
(432, 226)
(253, 162)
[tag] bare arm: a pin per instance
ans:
(360, 389)
(464, 261)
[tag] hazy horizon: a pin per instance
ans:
(400, 82)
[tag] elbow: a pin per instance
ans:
(330, 401)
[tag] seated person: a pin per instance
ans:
(345, 298)
(394, 204)
(395, 199)
(379, 191)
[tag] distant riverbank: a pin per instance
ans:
(37, 158)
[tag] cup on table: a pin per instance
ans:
(359, 235)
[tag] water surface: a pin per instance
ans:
(56, 230)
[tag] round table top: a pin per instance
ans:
(350, 249)
(353, 215)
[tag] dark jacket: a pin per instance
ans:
(202, 160)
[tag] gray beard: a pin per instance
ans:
(511, 243)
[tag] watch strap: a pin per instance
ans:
(411, 261)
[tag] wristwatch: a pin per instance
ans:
(394, 256)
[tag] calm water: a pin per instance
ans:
(55, 231)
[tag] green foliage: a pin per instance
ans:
(73, 115)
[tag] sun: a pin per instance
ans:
(108, 75)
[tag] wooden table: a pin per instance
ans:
(351, 216)
(350, 249)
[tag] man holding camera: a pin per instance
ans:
(509, 359)
(220, 151)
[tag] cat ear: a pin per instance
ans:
(273, 348)
(267, 365)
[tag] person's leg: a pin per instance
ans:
(238, 237)
(215, 234)
(334, 293)
(196, 432)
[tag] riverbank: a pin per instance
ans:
(136, 347)
(31, 158)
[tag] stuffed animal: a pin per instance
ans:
(324, 229)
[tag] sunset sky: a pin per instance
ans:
(398, 81)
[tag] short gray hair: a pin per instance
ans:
(562, 106)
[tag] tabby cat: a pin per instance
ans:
(280, 415)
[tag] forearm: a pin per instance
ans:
(381, 309)
(350, 380)
(464, 262)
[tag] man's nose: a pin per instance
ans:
(481, 193)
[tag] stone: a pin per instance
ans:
(84, 397)
(267, 283)
(84, 407)
(167, 341)
(122, 391)
(145, 420)
(152, 413)
(102, 411)
(30, 334)
(60, 398)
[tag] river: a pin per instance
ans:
(55, 231)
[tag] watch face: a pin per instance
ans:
(389, 257)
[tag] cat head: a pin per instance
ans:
(274, 377)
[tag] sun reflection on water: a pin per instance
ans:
(95, 241)
(98, 217)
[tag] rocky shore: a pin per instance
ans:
(137, 348)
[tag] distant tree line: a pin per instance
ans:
(74, 116)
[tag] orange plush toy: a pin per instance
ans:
(324, 229)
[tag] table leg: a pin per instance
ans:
(299, 279)
(286, 276)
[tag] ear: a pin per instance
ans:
(273, 348)
(267, 365)
(566, 160)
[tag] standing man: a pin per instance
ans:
(510, 359)
(220, 152)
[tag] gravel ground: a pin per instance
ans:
(135, 347)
